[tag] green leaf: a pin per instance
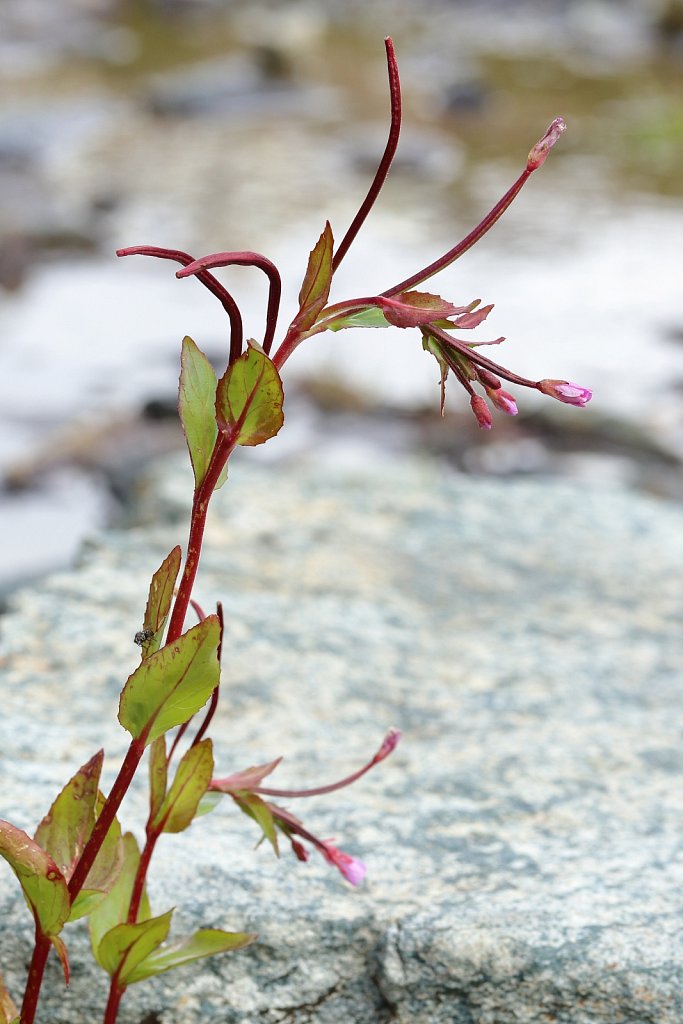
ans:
(197, 406)
(371, 316)
(429, 344)
(105, 869)
(8, 1010)
(208, 803)
(254, 807)
(159, 601)
(158, 772)
(126, 945)
(249, 399)
(315, 289)
(66, 827)
(168, 688)
(205, 942)
(113, 909)
(43, 884)
(189, 786)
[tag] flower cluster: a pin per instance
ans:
(397, 306)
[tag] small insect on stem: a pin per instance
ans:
(143, 637)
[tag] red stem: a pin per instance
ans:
(246, 259)
(208, 280)
(116, 992)
(141, 874)
(107, 815)
(467, 242)
(385, 162)
(200, 505)
(479, 360)
(41, 951)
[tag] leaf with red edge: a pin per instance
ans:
(105, 870)
(170, 687)
(159, 600)
(127, 945)
(158, 774)
(317, 280)
(470, 320)
(413, 309)
(250, 778)
(66, 827)
(249, 398)
(60, 947)
(43, 884)
(191, 782)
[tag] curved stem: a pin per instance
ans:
(246, 259)
(385, 162)
(208, 280)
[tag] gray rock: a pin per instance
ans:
(524, 843)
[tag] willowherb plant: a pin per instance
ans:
(79, 863)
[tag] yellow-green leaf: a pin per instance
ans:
(43, 884)
(113, 909)
(159, 602)
(205, 942)
(105, 869)
(66, 827)
(254, 807)
(197, 406)
(126, 945)
(168, 688)
(189, 786)
(158, 771)
(249, 398)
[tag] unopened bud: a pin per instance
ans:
(482, 412)
(488, 379)
(388, 745)
(539, 152)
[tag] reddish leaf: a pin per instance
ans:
(317, 280)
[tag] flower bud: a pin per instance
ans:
(565, 391)
(388, 745)
(540, 151)
(503, 401)
(482, 412)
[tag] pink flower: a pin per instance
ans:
(503, 401)
(565, 391)
(351, 868)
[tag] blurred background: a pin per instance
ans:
(207, 125)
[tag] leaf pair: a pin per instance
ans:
(245, 405)
(135, 951)
(45, 864)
